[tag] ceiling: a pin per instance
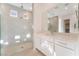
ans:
(27, 6)
(62, 9)
(53, 8)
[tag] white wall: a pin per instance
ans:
(40, 16)
(61, 25)
(37, 18)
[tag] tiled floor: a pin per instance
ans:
(24, 49)
(29, 52)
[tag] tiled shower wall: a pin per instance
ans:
(15, 29)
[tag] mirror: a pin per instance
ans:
(53, 24)
(63, 18)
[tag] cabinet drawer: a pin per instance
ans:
(66, 44)
(71, 46)
(61, 43)
(62, 51)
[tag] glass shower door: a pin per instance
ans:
(16, 31)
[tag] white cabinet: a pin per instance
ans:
(62, 45)
(62, 51)
(47, 47)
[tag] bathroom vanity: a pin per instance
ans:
(62, 44)
(66, 44)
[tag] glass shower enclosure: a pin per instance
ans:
(16, 29)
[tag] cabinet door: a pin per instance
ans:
(51, 49)
(62, 51)
(47, 47)
(37, 42)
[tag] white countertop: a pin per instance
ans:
(71, 37)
